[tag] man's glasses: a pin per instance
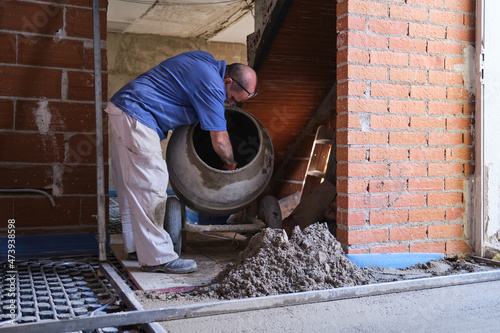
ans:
(250, 95)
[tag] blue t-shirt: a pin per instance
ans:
(179, 91)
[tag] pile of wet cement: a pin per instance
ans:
(312, 259)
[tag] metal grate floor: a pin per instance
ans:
(57, 288)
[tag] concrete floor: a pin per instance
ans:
(465, 308)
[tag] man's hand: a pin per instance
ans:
(223, 148)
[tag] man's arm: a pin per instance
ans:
(223, 148)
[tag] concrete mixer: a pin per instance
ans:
(200, 183)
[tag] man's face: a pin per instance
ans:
(235, 95)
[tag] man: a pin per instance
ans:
(182, 90)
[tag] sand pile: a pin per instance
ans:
(272, 264)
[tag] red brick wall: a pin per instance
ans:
(404, 112)
(47, 115)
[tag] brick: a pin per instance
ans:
(439, 47)
(444, 199)
(389, 90)
(469, 169)
(361, 170)
(426, 154)
(6, 210)
(407, 44)
(389, 249)
(408, 75)
(446, 17)
(32, 18)
(445, 139)
(81, 86)
(6, 114)
(362, 40)
(426, 3)
(28, 210)
(406, 200)
(459, 154)
(64, 117)
(427, 92)
(387, 185)
(81, 148)
(451, 184)
(461, 5)
(467, 139)
(470, 20)
(425, 184)
(407, 107)
(8, 48)
(367, 105)
(453, 64)
(427, 123)
(367, 138)
(388, 122)
(445, 231)
(352, 186)
(363, 72)
(366, 236)
(79, 23)
(445, 169)
(19, 176)
(388, 27)
(353, 55)
(388, 216)
(445, 77)
(388, 154)
(88, 56)
(426, 30)
(427, 61)
(427, 247)
(367, 8)
(351, 23)
(89, 211)
(406, 12)
(454, 213)
(32, 148)
(458, 93)
(407, 138)
(398, 234)
(363, 202)
(351, 88)
(388, 58)
(43, 82)
(79, 179)
(450, 108)
(356, 251)
(351, 154)
(426, 215)
(352, 219)
(468, 108)
(458, 124)
(460, 34)
(408, 170)
(457, 247)
(50, 52)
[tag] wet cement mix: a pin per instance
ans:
(312, 259)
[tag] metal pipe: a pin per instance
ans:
(32, 190)
(101, 199)
(249, 304)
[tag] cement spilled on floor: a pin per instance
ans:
(312, 259)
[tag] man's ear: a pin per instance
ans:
(227, 80)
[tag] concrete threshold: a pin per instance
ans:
(247, 304)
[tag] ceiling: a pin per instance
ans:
(214, 20)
